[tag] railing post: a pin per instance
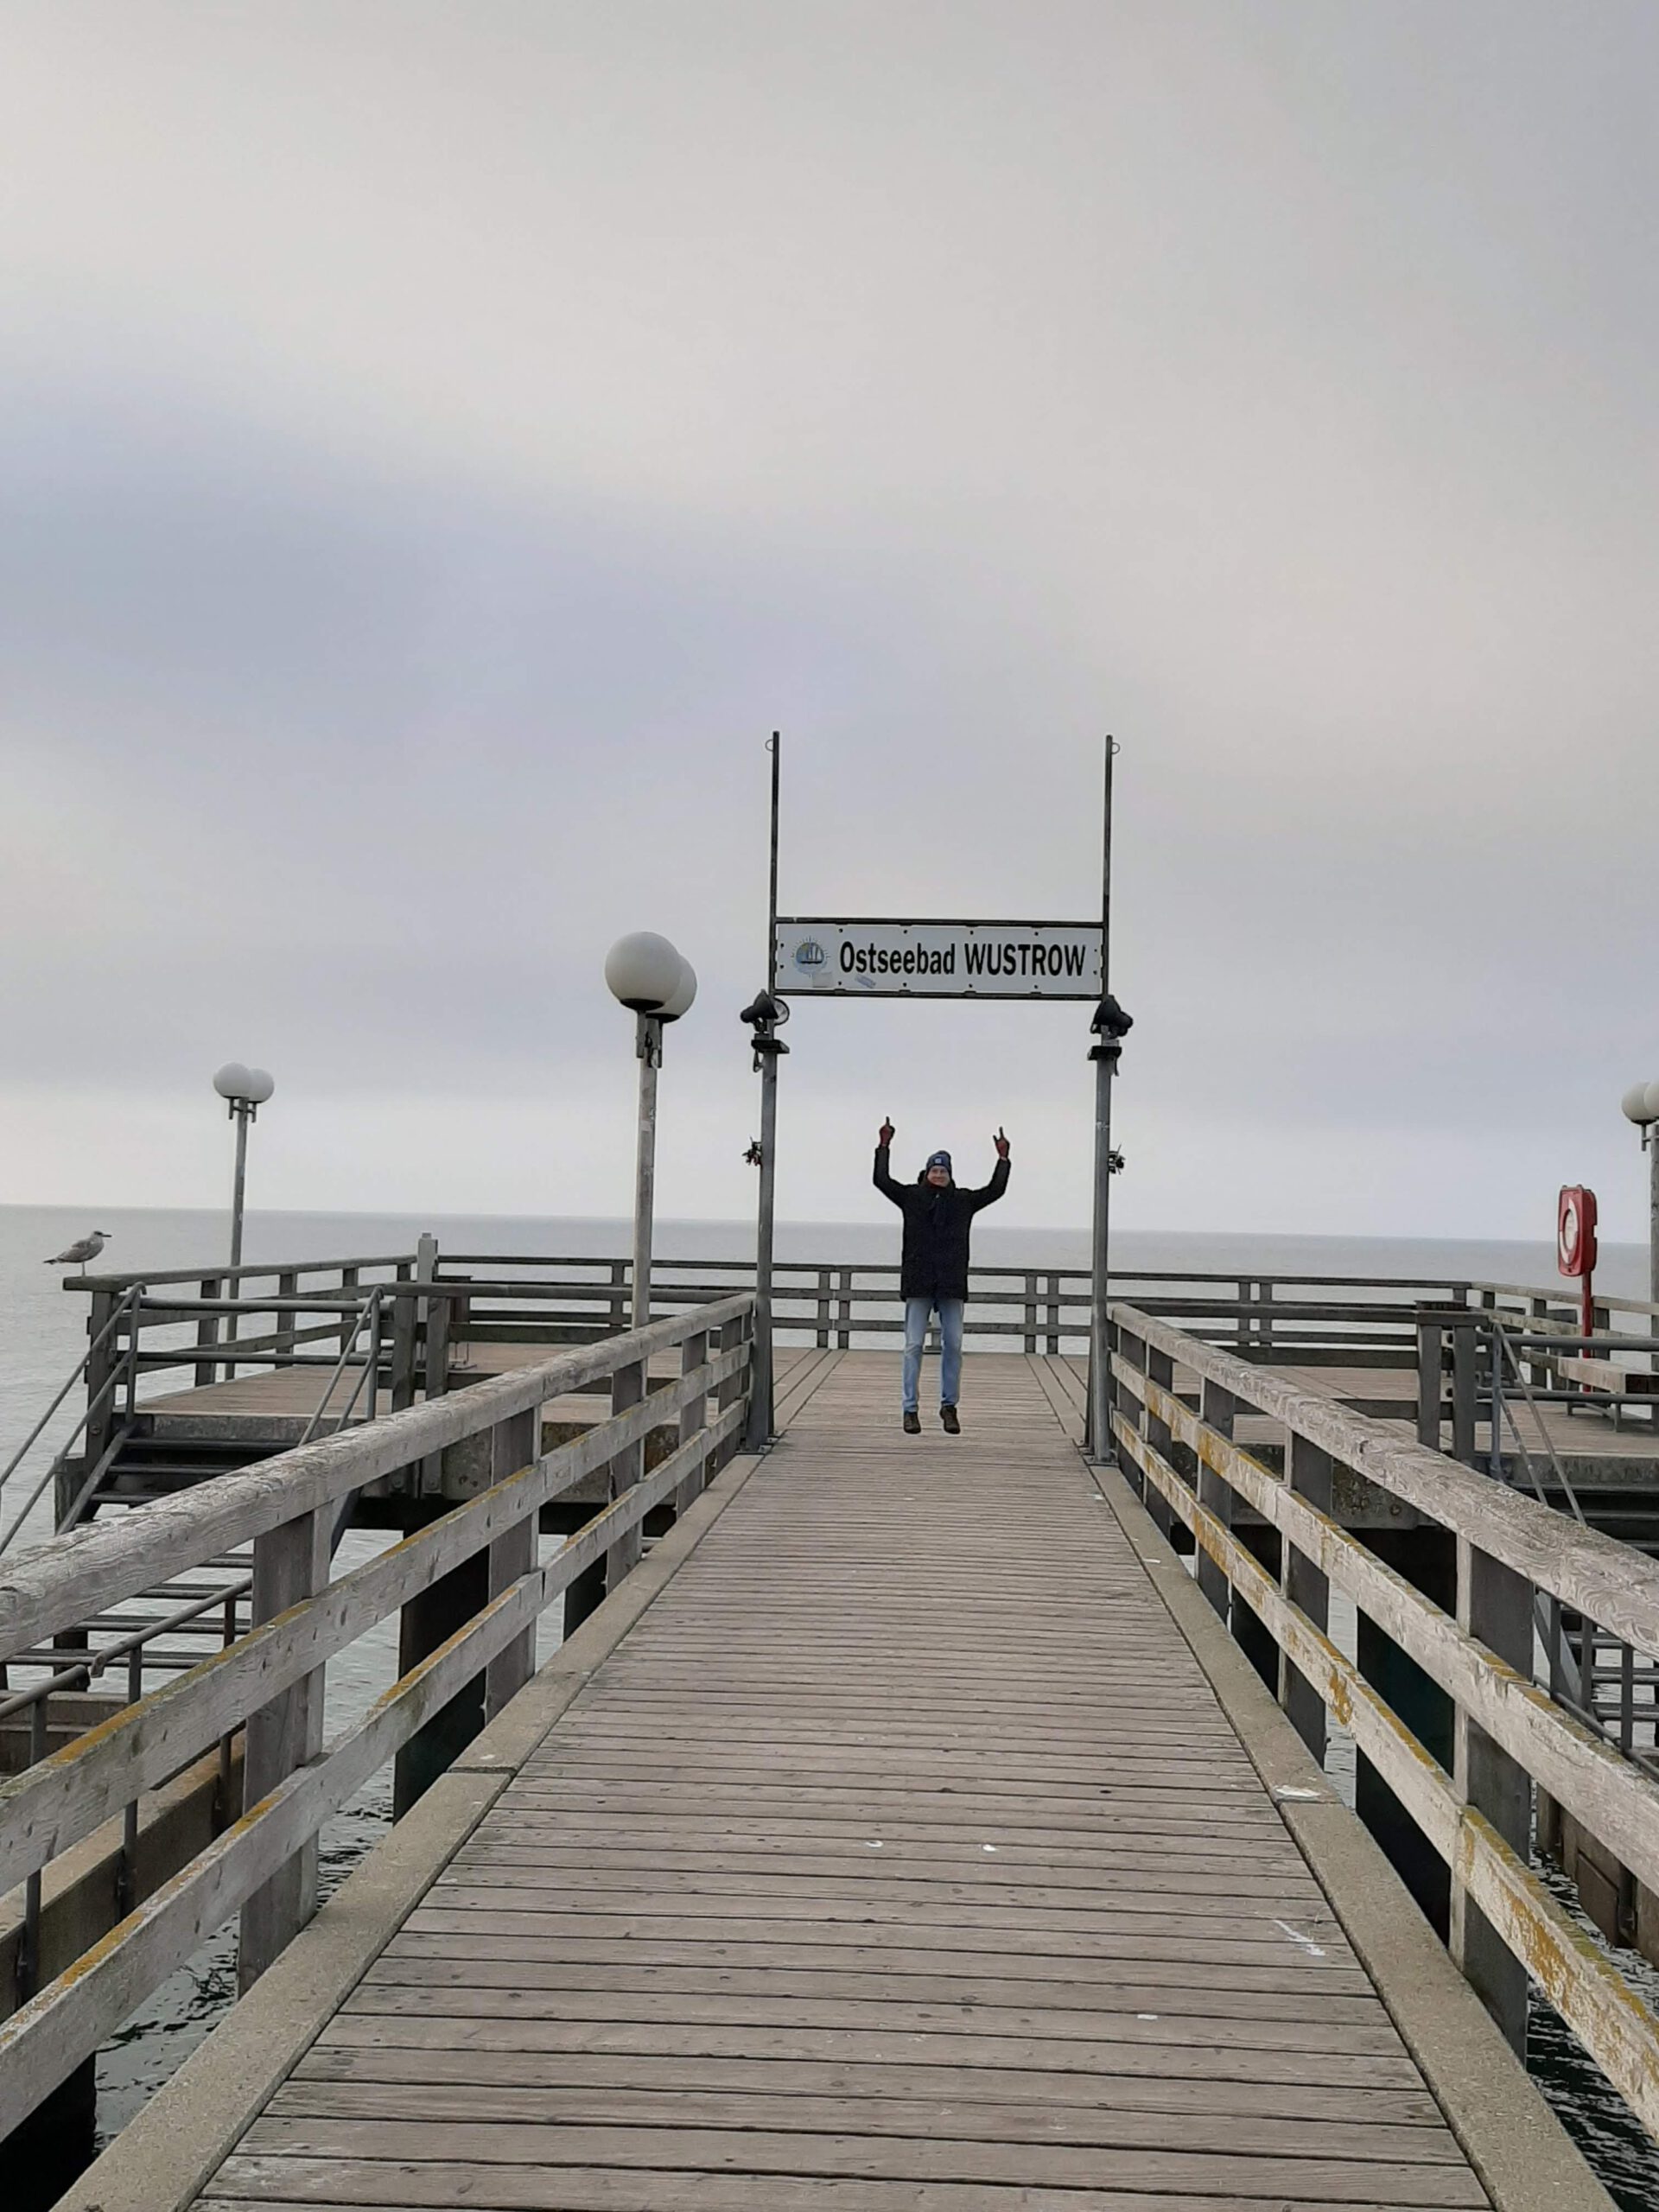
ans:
(822, 1337)
(1465, 1382)
(619, 1297)
(693, 1351)
(288, 1285)
(349, 1281)
(732, 1333)
(1495, 1606)
(1537, 1363)
(208, 1334)
(1053, 1342)
(844, 1311)
(1031, 1313)
(1217, 1410)
(513, 1446)
(435, 1380)
(290, 1563)
(1160, 1369)
(1308, 1471)
(402, 1349)
(1431, 1341)
(101, 1364)
(1264, 1320)
(1133, 1350)
(628, 1386)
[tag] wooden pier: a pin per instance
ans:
(863, 1873)
(918, 1822)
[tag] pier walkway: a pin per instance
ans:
(900, 1854)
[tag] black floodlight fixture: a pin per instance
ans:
(1111, 1025)
(763, 1013)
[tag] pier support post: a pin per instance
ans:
(1308, 1471)
(1495, 1604)
(1160, 1369)
(693, 1352)
(1431, 1337)
(1427, 1559)
(290, 1563)
(1133, 1350)
(627, 1388)
(427, 1619)
(727, 1393)
(1466, 1349)
(513, 1446)
(1217, 1409)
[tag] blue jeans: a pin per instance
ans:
(916, 1312)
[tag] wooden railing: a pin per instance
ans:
(268, 1684)
(1454, 1739)
(1315, 1317)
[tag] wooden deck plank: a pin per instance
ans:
(1019, 2163)
(865, 1877)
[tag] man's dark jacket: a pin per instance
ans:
(935, 1261)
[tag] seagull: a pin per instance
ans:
(77, 1254)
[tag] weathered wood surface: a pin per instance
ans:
(1611, 1583)
(865, 1875)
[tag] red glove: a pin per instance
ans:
(884, 1137)
(1001, 1144)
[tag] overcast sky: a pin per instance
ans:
(439, 441)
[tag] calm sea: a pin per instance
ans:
(42, 1336)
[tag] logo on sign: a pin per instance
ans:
(809, 954)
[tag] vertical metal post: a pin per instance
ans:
(240, 1115)
(1098, 1438)
(1653, 1218)
(761, 1381)
(649, 1048)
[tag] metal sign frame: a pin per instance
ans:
(1098, 1439)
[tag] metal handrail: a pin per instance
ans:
(125, 1306)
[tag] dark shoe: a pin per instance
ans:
(912, 1424)
(947, 1415)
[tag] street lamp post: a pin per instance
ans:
(245, 1091)
(657, 984)
(1641, 1105)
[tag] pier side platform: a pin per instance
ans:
(907, 1836)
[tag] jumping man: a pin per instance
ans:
(933, 1275)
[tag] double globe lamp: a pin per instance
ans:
(657, 983)
(244, 1090)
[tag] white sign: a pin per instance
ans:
(949, 960)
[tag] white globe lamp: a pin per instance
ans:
(643, 971)
(679, 1000)
(654, 980)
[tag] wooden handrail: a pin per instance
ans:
(268, 1679)
(1507, 1548)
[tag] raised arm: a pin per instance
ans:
(998, 1183)
(882, 1179)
